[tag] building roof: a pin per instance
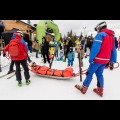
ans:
(10, 31)
(34, 28)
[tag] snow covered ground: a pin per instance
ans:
(52, 89)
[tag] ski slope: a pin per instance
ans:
(53, 89)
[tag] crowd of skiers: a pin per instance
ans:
(102, 54)
(58, 49)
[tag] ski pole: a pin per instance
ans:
(79, 57)
(0, 62)
(0, 54)
(52, 58)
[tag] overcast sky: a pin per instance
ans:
(78, 26)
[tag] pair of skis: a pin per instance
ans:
(6, 75)
(9, 74)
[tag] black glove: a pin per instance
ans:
(87, 73)
(73, 59)
(4, 54)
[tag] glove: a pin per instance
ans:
(91, 61)
(87, 73)
(73, 59)
(4, 54)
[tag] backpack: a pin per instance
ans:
(14, 50)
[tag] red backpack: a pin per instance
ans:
(13, 49)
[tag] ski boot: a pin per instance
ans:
(28, 82)
(19, 83)
(98, 91)
(82, 88)
(111, 68)
(9, 72)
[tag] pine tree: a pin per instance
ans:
(81, 36)
(68, 34)
(91, 36)
(28, 21)
(71, 34)
(64, 37)
(74, 39)
(61, 37)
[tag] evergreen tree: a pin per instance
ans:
(28, 21)
(68, 34)
(74, 38)
(64, 37)
(81, 36)
(71, 34)
(61, 37)
(91, 36)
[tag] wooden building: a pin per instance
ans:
(22, 26)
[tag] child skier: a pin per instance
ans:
(71, 57)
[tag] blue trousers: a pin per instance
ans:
(98, 70)
(70, 62)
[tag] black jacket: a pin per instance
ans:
(70, 43)
(45, 47)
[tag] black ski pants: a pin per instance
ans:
(18, 70)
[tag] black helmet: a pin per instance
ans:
(101, 26)
(71, 49)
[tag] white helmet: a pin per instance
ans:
(101, 26)
(20, 32)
